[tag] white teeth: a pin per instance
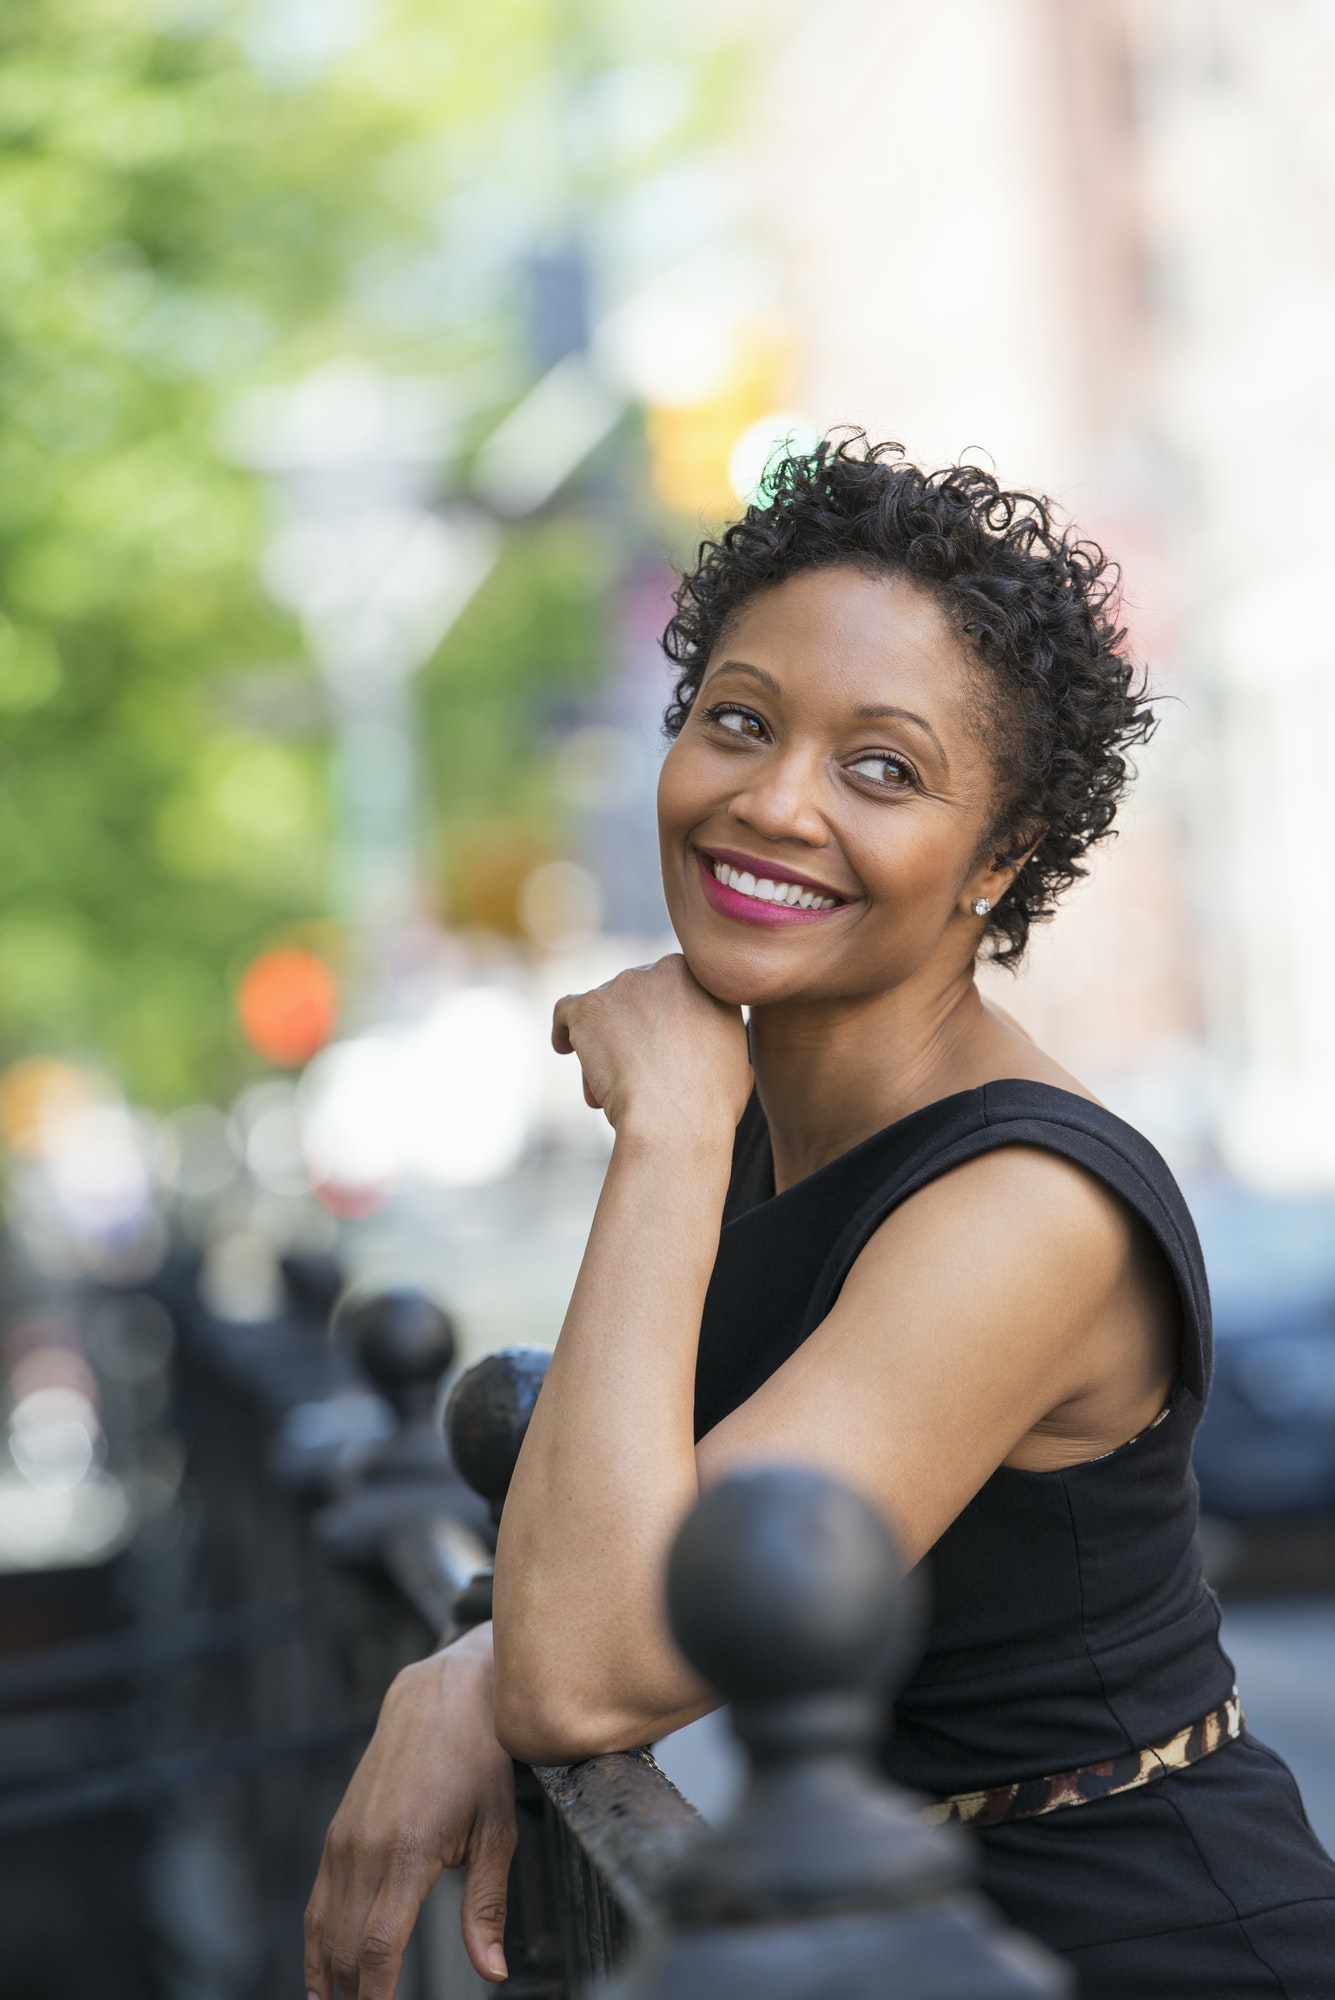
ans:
(765, 891)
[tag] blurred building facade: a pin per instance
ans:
(1089, 239)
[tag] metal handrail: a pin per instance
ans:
(629, 1819)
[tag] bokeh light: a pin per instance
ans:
(353, 1113)
(38, 1091)
(470, 1075)
(198, 1151)
(450, 1102)
(559, 903)
(775, 435)
(287, 1004)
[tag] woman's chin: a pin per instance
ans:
(734, 976)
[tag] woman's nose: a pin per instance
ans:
(781, 804)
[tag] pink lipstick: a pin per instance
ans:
(731, 902)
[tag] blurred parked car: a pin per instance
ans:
(1266, 1448)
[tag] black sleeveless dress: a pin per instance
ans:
(1070, 1619)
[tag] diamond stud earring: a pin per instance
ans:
(980, 906)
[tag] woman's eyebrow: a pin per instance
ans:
(872, 711)
(755, 673)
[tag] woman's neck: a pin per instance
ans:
(830, 1073)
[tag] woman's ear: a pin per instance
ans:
(1019, 849)
(988, 884)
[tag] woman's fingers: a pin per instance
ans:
(432, 1776)
(561, 1041)
(564, 1045)
(386, 1929)
(360, 1918)
(341, 1941)
(482, 1917)
(325, 1900)
(355, 1944)
(317, 1968)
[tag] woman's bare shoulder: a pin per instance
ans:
(1038, 1208)
(1009, 1050)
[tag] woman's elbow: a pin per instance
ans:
(542, 1724)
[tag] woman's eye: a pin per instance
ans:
(883, 769)
(737, 721)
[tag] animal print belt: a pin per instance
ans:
(1033, 1796)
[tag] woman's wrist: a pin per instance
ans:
(472, 1648)
(467, 1660)
(697, 1135)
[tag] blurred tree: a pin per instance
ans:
(196, 195)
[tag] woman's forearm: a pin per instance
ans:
(584, 1659)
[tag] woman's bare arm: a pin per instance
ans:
(608, 1467)
(1005, 1294)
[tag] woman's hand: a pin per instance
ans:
(657, 1051)
(434, 1790)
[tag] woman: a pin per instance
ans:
(945, 1272)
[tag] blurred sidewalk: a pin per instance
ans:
(1284, 1651)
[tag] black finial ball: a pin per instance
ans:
(487, 1416)
(401, 1337)
(783, 1582)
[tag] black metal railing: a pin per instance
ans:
(178, 1723)
(340, 1534)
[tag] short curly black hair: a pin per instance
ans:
(1036, 606)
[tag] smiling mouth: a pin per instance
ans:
(796, 895)
(763, 899)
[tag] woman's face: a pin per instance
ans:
(822, 812)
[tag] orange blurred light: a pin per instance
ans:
(690, 444)
(37, 1091)
(287, 1004)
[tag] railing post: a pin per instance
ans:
(486, 1419)
(405, 1343)
(785, 1593)
(407, 1510)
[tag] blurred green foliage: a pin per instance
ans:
(195, 196)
